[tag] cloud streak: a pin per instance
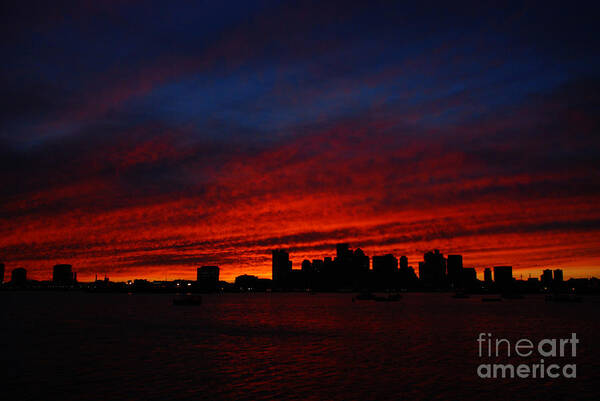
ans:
(281, 126)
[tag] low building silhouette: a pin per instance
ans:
(62, 274)
(1, 273)
(533, 284)
(247, 282)
(141, 284)
(18, 277)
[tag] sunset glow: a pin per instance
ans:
(214, 136)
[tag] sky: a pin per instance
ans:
(146, 139)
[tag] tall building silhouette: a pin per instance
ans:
(487, 275)
(546, 278)
(385, 265)
(407, 278)
(317, 265)
(62, 274)
(281, 266)
(207, 277)
(343, 252)
(328, 270)
(558, 283)
(308, 273)
(385, 271)
(468, 277)
(349, 268)
(558, 275)
(403, 262)
(503, 277)
(455, 267)
(360, 262)
(432, 271)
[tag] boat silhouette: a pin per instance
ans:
(491, 299)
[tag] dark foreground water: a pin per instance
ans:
(282, 346)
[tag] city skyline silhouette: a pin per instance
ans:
(347, 270)
(299, 200)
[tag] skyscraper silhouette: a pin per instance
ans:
(385, 265)
(407, 276)
(468, 277)
(503, 277)
(385, 271)
(307, 266)
(547, 278)
(403, 263)
(487, 275)
(455, 273)
(207, 277)
(343, 252)
(281, 266)
(360, 262)
(432, 271)
(317, 265)
(558, 283)
(558, 275)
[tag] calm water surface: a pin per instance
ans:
(281, 346)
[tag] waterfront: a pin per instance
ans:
(75, 345)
